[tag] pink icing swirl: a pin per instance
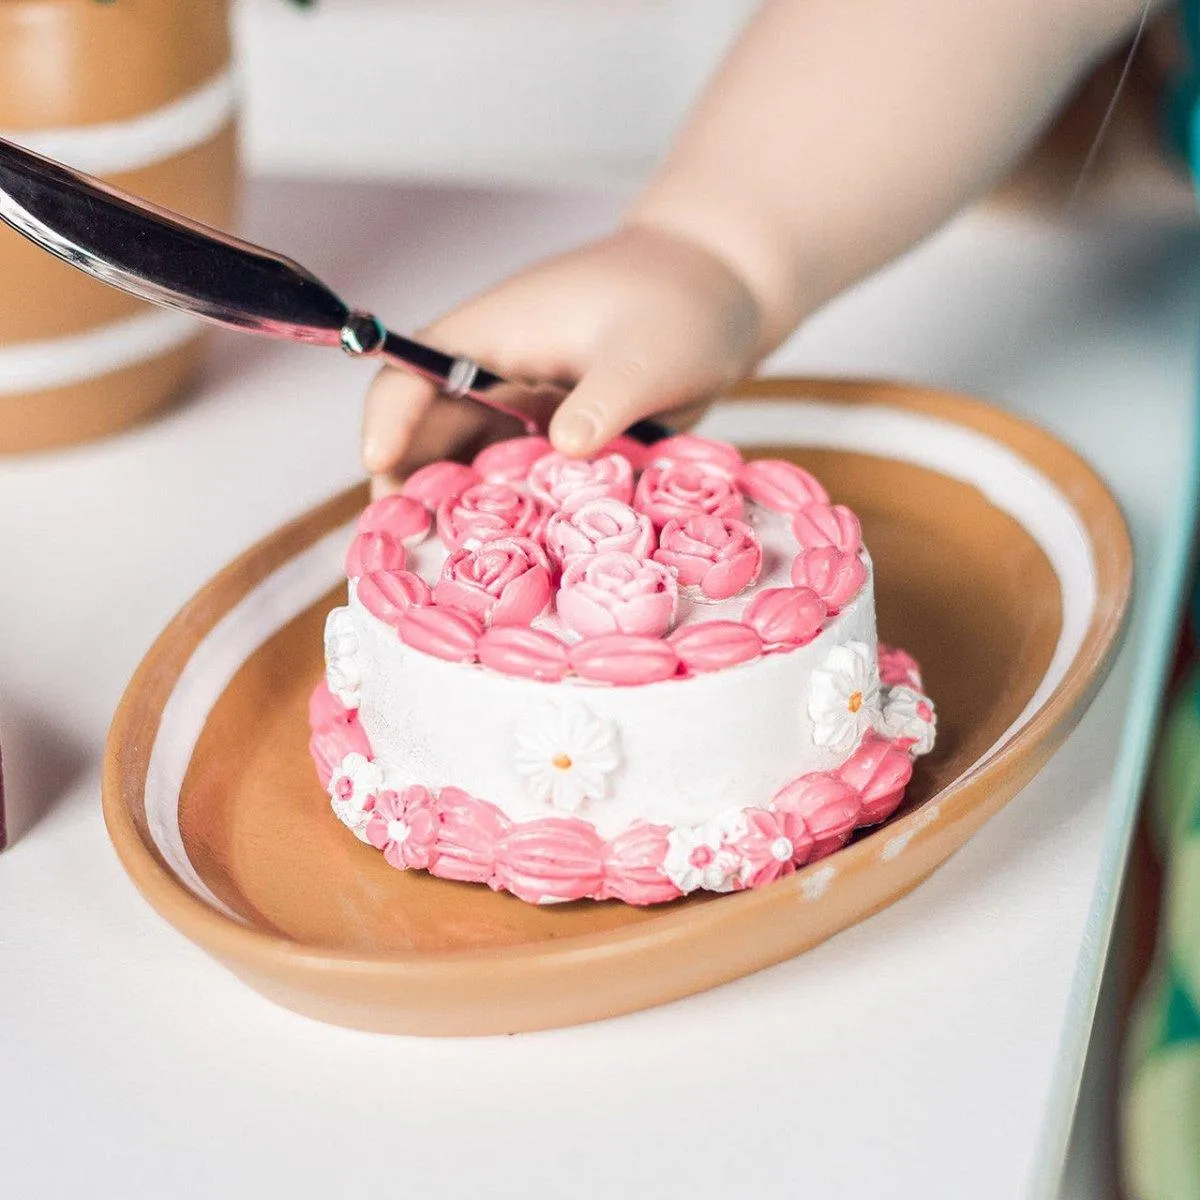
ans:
(836, 577)
(624, 659)
(828, 525)
(468, 837)
(615, 592)
(898, 668)
(402, 517)
(388, 595)
(550, 860)
(633, 866)
(335, 733)
(483, 512)
(714, 645)
(375, 551)
(442, 632)
(596, 527)
(561, 482)
(637, 453)
(684, 489)
(828, 805)
(786, 617)
(501, 582)
(439, 482)
(720, 457)
(880, 773)
(774, 844)
(716, 555)
(412, 816)
(781, 486)
(509, 461)
(524, 653)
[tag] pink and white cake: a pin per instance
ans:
(633, 677)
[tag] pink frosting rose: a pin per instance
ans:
(716, 555)
(375, 551)
(561, 482)
(615, 592)
(438, 482)
(720, 457)
(486, 511)
(828, 525)
(402, 517)
(636, 452)
(781, 486)
(509, 461)
(685, 489)
(836, 577)
(596, 527)
(502, 582)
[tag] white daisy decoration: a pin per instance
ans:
(352, 792)
(566, 754)
(909, 717)
(843, 697)
(343, 666)
(698, 857)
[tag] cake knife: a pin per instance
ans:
(172, 261)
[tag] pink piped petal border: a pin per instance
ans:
(553, 860)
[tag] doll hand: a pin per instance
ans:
(644, 321)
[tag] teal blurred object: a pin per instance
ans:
(1161, 1101)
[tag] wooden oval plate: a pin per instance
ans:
(1003, 564)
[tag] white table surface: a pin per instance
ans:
(934, 1050)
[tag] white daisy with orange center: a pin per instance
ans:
(843, 698)
(566, 755)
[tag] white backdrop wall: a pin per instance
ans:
(480, 91)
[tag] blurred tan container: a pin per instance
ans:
(140, 93)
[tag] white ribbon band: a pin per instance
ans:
(141, 141)
(78, 357)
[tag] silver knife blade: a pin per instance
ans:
(162, 257)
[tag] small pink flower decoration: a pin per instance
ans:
(780, 486)
(483, 512)
(524, 653)
(501, 582)
(684, 489)
(388, 595)
(633, 868)
(624, 659)
(786, 617)
(550, 860)
(714, 645)
(562, 482)
(829, 805)
(438, 482)
(774, 844)
(879, 773)
(404, 825)
(615, 592)
(898, 668)
(596, 527)
(402, 517)
(717, 556)
(720, 457)
(375, 551)
(509, 461)
(836, 577)
(828, 525)
(441, 632)
(470, 831)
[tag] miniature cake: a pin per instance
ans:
(631, 677)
